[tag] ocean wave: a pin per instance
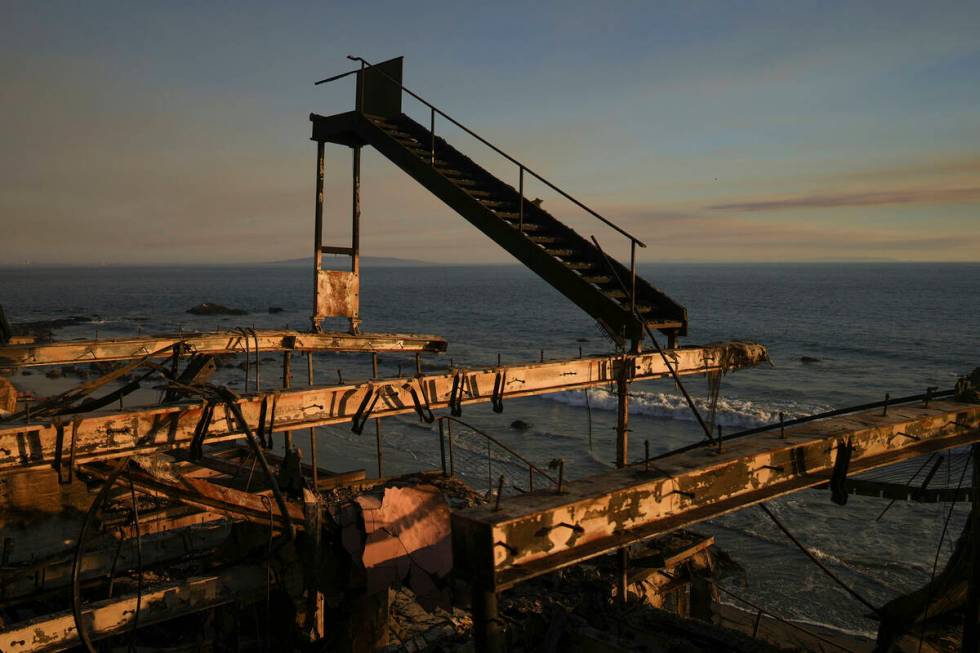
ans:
(731, 412)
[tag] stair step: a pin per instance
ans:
(529, 227)
(537, 225)
(408, 141)
(426, 156)
(598, 279)
(399, 133)
(449, 172)
(491, 203)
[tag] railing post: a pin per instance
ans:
(442, 445)
(521, 200)
(432, 133)
(489, 470)
(449, 441)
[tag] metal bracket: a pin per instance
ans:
(456, 394)
(838, 480)
(59, 450)
(497, 400)
(364, 410)
(424, 411)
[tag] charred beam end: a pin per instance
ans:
(623, 506)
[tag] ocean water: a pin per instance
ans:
(875, 328)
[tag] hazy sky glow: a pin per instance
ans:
(729, 131)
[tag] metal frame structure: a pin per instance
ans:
(176, 489)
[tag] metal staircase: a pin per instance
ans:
(607, 290)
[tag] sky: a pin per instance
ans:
(178, 132)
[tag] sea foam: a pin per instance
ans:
(731, 412)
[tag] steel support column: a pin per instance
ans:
(318, 234)
(488, 636)
(622, 459)
(287, 375)
(355, 259)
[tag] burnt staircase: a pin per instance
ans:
(599, 285)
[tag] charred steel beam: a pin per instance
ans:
(56, 632)
(104, 435)
(29, 580)
(198, 492)
(536, 533)
(220, 342)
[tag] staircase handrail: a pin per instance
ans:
(523, 168)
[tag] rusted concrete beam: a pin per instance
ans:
(108, 434)
(56, 632)
(536, 533)
(220, 342)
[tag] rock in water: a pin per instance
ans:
(809, 359)
(276, 309)
(520, 425)
(215, 309)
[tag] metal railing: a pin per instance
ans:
(448, 458)
(522, 168)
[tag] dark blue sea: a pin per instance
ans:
(874, 328)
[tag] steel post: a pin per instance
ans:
(318, 233)
(487, 634)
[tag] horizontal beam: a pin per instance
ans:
(536, 533)
(256, 507)
(904, 492)
(109, 434)
(219, 342)
(56, 632)
(25, 581)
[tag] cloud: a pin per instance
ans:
(878, 198)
